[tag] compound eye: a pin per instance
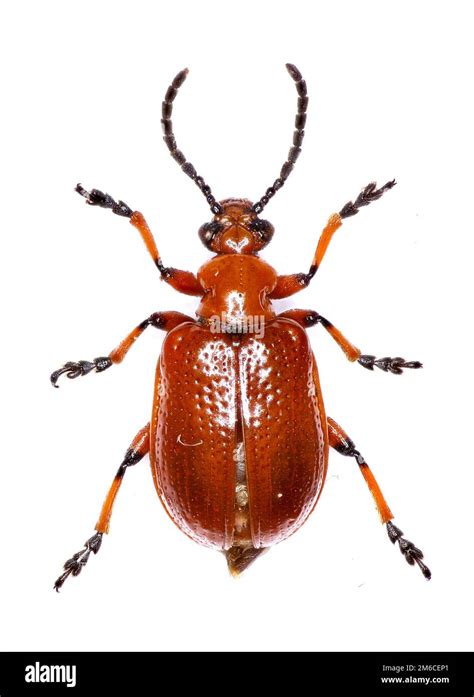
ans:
(263, 231)
(260, 226)
(208, 232)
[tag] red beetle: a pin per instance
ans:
(238, 437)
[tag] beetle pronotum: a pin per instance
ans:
(238, 437)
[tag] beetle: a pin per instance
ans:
(238, 437)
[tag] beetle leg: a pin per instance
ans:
(308, 318)
(182, 281)
(137, 450)
(291, 284)
(161, 320)
(341, 442)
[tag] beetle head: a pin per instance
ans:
(236, 229)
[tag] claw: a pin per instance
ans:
(57, 374)
(59, 581)
(74, 370)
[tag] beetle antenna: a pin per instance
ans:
(187, 167)
(298, 136)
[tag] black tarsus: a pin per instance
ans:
(76, 563)
(367, 195)
(411, 553)
(298, 135)
(80, 368)
(94, 197)
(387, 364)
(170, 140)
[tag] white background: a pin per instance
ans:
(390, 90)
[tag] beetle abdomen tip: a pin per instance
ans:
(240, 558)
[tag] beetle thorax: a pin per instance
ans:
(237, 288)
